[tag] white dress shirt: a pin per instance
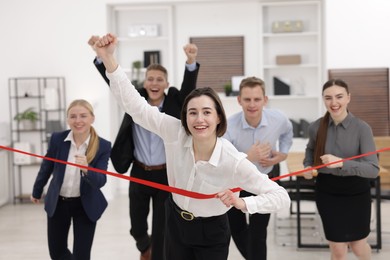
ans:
(227, 168)
(71, 183)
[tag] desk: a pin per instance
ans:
(295, 163)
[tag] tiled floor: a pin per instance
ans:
(23, 234)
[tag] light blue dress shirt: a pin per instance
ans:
(274, 128)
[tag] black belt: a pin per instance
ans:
(183, 213)
(190, 216)
(69, 198)
(150, 168)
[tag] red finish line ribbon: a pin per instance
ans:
(179, 191)
(159, 186)
(327, 164)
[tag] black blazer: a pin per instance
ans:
(122, 153)
(92, 198)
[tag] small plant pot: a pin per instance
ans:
(28, 124)
(228, 89)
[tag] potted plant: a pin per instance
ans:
(28, 118)
(228, 88)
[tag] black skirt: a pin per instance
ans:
(345, 209)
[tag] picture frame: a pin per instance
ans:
(151, 57)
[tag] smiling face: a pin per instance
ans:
(336, 100)
(155, 83)
(202, 118)
(80, 119)
(252, 101)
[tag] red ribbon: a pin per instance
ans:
(179, 191)
(327, 164)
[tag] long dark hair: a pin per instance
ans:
(206, 91)
(323, 127)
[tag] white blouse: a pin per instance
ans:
(227, 167)
(71, 184)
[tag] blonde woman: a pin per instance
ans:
(74, 193)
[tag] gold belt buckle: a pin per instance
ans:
(187, 215)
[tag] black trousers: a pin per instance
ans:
(58, 229)
(140, 197)
(200, 238)
(251, 238)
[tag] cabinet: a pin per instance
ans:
(46, 97)
(144, 34)
(289, 29)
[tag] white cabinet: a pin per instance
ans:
(142, 29)
(305, 78)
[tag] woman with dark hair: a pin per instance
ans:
(198, 160)
(343, 195)
(74, 195)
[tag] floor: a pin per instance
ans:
(23, 234)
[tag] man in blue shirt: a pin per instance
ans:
(256, 131)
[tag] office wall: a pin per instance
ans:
(356, 33)
(49, 38)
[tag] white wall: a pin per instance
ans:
(49, 38)
(357, 34)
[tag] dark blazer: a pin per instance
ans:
(92, 198)
(122, 154)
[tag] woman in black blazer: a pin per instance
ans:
(74, 193)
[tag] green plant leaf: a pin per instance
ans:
(28, 114)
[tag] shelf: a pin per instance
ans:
(28, 130)
(290, 34)
(129, 70)
(30, 164)
(43, 92)
(304, 80)
(24, 97)
(53, 110)
(222, 96)
(291, 97)
(303, 66)
(141, 39)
